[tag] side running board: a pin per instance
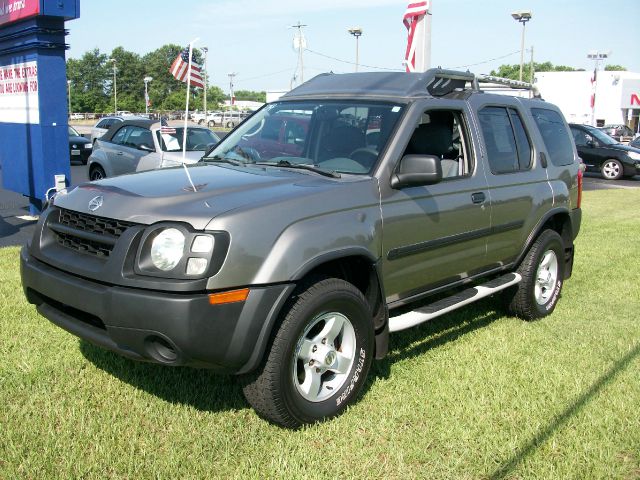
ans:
(445, 305)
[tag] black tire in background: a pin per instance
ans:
(277, 390)
(542, 272)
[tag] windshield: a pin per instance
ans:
(601, 136)
(73, 132)
(198, 139)
(336, 136)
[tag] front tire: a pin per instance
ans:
(542, 272)
(96, 173)
(612, 169)
(319, 358)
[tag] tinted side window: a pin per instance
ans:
(120, 136)
(139, 136)
(499, 140)
(522, 141)
(102, 124)
(554, 133)
(580, 137)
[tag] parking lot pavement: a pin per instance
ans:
(16, 227)
(593, 181)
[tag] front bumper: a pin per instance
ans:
(156, 326)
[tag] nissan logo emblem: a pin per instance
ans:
(95, 203)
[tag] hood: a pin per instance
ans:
(167, 195)
(623, 148)
(78, 140)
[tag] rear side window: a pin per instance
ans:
(555, 136)
(120, 136)
(508, 147)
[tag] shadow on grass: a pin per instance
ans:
(200, 388)
(561, 419)
(436, 333)
(209, 391)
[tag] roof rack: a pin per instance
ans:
(443, 82)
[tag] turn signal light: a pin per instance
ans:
(232, 296)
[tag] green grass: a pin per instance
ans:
(472, 395)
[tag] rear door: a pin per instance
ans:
(517, 180)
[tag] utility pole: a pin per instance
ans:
(531, 67)
(300, 43)
(231, 76)
(69, 94)
(146, 94)
(115, 88)
(206, 84)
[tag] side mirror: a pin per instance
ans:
(417, 170)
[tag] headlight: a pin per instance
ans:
(634, 155)
(167, 249)
(88, 145)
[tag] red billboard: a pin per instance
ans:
(14, 10)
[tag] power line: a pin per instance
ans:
(263, 76)
(347, 61)
(487, 61)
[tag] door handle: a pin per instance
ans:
(478, 197)
(120, 154)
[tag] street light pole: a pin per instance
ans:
(115, 87)
(146, 94)
(69, 94)
(356, 32)
(206, 84)
(231, 76)
(300, 43)
(523, 17)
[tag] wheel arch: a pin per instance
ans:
(560, 221)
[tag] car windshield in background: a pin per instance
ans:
(601, 136)
(198, 140)
(342, 137)
(73, 132)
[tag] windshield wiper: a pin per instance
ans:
(301, 166)
(221, 159)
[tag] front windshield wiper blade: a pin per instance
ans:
(301, 166)
(220, 159)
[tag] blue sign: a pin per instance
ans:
(33, 108)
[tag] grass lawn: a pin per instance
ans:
(474, 394)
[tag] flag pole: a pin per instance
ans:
(186, 117)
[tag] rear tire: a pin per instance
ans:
(542, 272)
(319, 358)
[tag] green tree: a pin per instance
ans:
(89, 77)
(130, 84)
(513, 71)
(615, 68)
(251, 95)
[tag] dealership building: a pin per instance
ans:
(617, 96)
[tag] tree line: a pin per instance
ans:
(513, 71)
(92, 86)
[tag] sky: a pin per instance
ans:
(254, 38)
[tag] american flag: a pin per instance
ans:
(411, 17)
(180, 68)
(165, 128)
(593, 88)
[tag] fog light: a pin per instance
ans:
(196, 266)
(202, 244)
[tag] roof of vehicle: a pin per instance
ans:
(435, 82)
(145, 123)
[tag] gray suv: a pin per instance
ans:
(355, 206)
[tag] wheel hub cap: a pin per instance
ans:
(323, 356)
(546, 277)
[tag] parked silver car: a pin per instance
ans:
(105, 123)
(137, 145)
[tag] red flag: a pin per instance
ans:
(413, 14)
(180, 68)
(593, 89)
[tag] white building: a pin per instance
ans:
(617, 96)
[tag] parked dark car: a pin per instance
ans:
(79, 147)
(602, 153)
(635, 143)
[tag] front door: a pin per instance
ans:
(436, 234)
